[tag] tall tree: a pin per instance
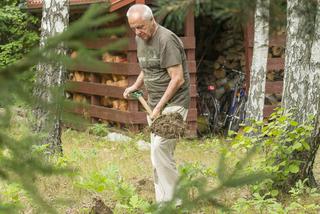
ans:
(300, 25)
(255, 103)
(55, 19)
(302, 76)
(312, 102)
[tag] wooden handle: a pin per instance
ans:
(145, 105)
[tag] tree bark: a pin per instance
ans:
(313, 100)
(302, 76)
(255, 103)
(55, 19)
(300, 21)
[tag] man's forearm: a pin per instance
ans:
(172, 88)
(177, 80)
(139, 81)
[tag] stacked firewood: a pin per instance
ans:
(116, 58)
(78, 76)
(275, 75)
(230, 49)
(120, 81)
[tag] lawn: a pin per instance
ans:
(120, 174)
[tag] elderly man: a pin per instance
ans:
(165, 75)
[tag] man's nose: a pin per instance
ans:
(137, 31)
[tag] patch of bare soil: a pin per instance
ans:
(170, 126)
(145, 188)
(99, 207)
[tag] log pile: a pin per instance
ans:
(228, 52)
(275, 75)
(78, 76)
(119, 81)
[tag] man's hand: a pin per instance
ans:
(135, 86)
(129, 90)
(155, 113)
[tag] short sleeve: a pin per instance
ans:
(170, 52)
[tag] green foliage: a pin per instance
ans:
(269, 204)
(279, 140)
(20, 161)
(127, 200)
(99, 129)
(18, 33)
(173, 13)
(301, 189)
(191, 181)
(11, 195)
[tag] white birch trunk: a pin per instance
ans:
(313, 101)
(313, 93)
(301, 80)
(55, 19)
(297, 57)
(255, 103)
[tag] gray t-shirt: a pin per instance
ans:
(163, 50)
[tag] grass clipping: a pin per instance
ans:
(169, 126)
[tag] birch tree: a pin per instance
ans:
(55, 19)
(302, 75)
(300, 21)
(255, 103)
(312, 103)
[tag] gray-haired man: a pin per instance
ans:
(166, 78)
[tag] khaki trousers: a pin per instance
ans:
(162, 158)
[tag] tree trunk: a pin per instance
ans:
(255, 103)
(313, 101)
(55, 19)
(302, 76)
(300, 21)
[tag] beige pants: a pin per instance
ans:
(164, 165)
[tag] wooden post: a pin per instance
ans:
(190, 53)
(133, 105)
(95, 100)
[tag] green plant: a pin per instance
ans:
(190, 181)
(98, 129)
(301, 188)
(270, 205)
(277, 140)
(124, 194)
(22, 164)
(11, 195)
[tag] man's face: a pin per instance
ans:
(142, 28)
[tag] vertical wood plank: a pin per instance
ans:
(190, 53)
(133, 105)
(95, 100)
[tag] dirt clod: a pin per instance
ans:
(99, 207)
(169, 126)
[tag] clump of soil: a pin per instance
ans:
(169, 126)
(99, 207)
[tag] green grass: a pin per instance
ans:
(89, 154)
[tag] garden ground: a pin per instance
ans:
(118, 172)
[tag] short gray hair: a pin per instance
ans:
(144, 10)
